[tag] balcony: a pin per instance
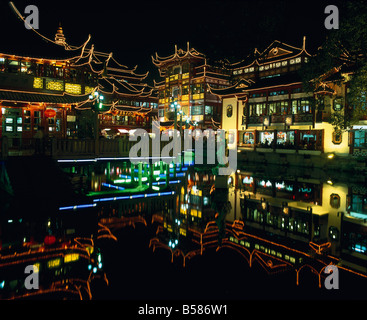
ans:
(303, 117)
(281, 118)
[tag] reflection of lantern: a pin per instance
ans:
(49, 240)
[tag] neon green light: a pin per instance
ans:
(121, 180)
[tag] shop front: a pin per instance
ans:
(286, 139)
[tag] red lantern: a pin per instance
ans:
(49, 240)
(50, 113)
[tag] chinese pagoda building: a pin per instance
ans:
(51, 89)
(40, 93)
(186, 76)
(271, 110)
(130, 103)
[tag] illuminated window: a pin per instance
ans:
(53, 263)
(73, 88)
(88, 89)
(301, 106)
(305, 106)
(360, 139)
(338, 104)
(2, 64)
(209, 110)
(266, 137)
(272, 108)
(13, 66)
(196, 110)
(54, 85)
(25, 67)
(71, 257)
(360, 247)
(37, 83)
(248, 138)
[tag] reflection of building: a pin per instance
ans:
(186, 77)
(269, 107)
(353, 231)
(192, 229)
(309, 211)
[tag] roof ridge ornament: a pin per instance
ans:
(60, 37)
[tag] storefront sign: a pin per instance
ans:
(70, 118)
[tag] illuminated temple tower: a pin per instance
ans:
(186, 75)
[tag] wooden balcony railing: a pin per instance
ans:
(70, 148)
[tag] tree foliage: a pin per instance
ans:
(347, 47)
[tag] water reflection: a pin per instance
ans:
(283, 218)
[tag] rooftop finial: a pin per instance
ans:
(59, 36)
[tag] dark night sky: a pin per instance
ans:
(135, 29)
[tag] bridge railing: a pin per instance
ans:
(59, 148)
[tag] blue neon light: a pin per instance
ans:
(136, 196)
(164, 182)
(79, 206)
(112, 186)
